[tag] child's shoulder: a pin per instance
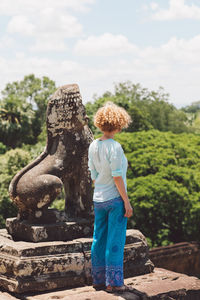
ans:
(93, 144)
(116, 147)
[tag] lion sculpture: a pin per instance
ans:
(63, 162)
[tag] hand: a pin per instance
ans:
(128, 210)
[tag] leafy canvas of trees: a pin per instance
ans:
(162, 145)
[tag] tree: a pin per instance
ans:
(23, 109)
(193, 108)
(10, 163)
(193, 113)
(16, 122)
(163, 181)
(148, 109)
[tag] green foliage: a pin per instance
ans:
(164, 185)
(23, 110)
(193, 108)
(194, 119)
(10, 163)
(193, 114)
(59, 204)
(16, 121)
(3, 148)
(34, 150)
(148, 109)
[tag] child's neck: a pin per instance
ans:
(107, 136)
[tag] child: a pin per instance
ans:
(108, 166)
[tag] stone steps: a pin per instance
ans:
(160, 284)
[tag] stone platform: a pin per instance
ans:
(26, 266)
(160, 284)
(50, 225)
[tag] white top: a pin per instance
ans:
(106, 160)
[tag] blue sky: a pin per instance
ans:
(97, 43)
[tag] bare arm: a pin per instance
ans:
(121, 188)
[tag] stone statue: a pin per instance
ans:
(63, 162)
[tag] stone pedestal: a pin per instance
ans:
(53, 225)
(26, 266)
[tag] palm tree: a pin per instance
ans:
(16, 120)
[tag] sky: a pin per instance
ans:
(99, 43)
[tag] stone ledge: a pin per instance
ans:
(28, 266)
(160, 284)
(181, 257)
(62, 231)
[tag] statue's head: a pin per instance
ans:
(65, 110)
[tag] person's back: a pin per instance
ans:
(106, 160)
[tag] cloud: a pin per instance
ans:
(174, 65)
(18, 7)
(45, 44)
(154, 5)
(183, 51)
(20, 24)
(6, 42)
(52, 29)
(49, 30)
(54, 23)
(49, 23)
(177, 10)
(104, 45)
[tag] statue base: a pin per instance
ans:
(43, 266)
(52, 225)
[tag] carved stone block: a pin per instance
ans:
(43, 266)
(55, 228)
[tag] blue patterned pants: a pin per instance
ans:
(109, 238)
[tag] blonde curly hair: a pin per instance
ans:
(111, 117)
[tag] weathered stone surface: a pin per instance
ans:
(64, 162)
(26, 266)
(57, 230)
(181, 257)
(160, 284)
(6, 296)
(167, 284)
